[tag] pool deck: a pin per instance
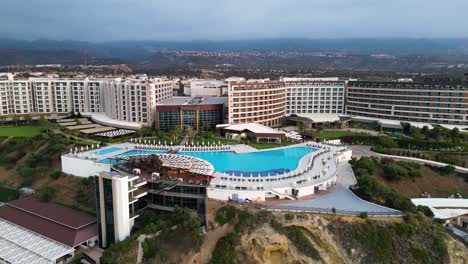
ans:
(127, 146)
(340, 197)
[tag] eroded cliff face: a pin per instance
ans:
(266, 245)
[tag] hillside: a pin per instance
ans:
(306, 238)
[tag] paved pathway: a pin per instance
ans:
(341, 198)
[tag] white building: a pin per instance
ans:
(122, 100)
(116, 198)
(207, 88)
(134, 100)
(318, 99)
(15, 96)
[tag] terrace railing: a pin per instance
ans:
(328, 211)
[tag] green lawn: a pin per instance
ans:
(326, 135)
(271, 145)
(20, 131)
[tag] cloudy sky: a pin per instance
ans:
(103, 20)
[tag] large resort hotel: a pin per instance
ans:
(145, 174)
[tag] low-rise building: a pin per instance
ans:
(198, 113)
(36, 232)
(198, 88)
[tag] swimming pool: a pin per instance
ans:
(255, 163)
(106, 151)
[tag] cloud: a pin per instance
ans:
(105, 20)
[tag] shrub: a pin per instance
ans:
(224, 251)
(301, 242)
(394, 172)
(425, 210)
(289, 216)
(55, 175)
(363, 215)
(46, 193)
(225, 214)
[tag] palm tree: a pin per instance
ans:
(189, 132)
(3, 120)
(15, 119)
(75, 133)
(45, 124)
(27, 119)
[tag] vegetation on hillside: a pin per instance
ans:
(180, 231)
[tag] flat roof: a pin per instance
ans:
(20, 245)
(397, 123)
(186, 100)
(61, 224)
(444, 208)
(255, 128)
(96, 130)
(319, 118)
(103, 119)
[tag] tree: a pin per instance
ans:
(46, 193)
(425, 131)
(45, 124)
(406, 128)
(15, 119)
(301, 127)
(189, 132)
(75, 133)
(388, 142)
(417, 133)
(27, 119)
(454, 133)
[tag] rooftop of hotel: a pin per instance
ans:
(186, 100)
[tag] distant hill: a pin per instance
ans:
(404, 53)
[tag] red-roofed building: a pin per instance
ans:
(58, 223)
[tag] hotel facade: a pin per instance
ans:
(309, 96)
(129, 100)
(261, 101)
(440, 103)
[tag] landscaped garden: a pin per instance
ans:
(20, 131)
(334, 134)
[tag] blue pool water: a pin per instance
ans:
(106, 151)
(255, 163)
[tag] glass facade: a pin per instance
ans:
(196, 119)
(190, 196)
(109, 210)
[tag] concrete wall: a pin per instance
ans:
(82, 167)
(224, 194)
(122, 225)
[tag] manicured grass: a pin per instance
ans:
(83, 143)
(271, 145)
(20, 131)
(7, 194)
(326, 135)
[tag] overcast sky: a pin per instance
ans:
(103, 20)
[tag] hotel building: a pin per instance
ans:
(118, 100)
(442, 103)
(315, 98)
(206, 88)
(261, 101)
(119, 202)
(15, 97)
(198, 113)
(134, 100)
